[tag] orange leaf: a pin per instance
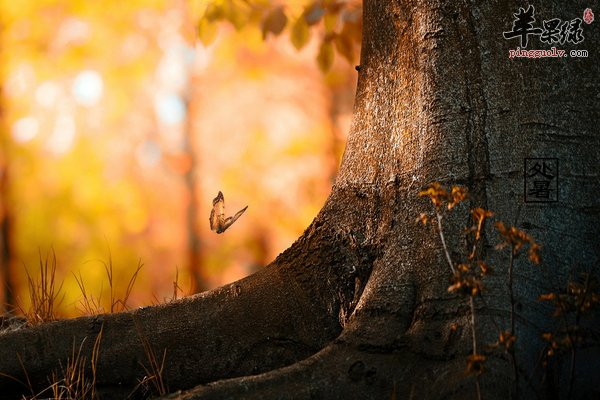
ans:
(463, 267)
(423, 218)
(485, 269)
(458, 194)
(547, 297)
(481, 213)
(475, 364)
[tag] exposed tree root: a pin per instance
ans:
(276, 317)
(343, 371)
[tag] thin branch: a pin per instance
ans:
(512, 319)
(439, 221)
(474, 339)
(578, 307)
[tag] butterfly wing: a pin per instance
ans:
(217, 214)
(218, 222)
(230, 220)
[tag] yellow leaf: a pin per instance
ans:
(300, 34)
(214, 12)
(207, 31)
(235, 14)
(325, 57)
(330, 22)
(274, 22)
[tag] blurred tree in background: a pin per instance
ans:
(121, 122)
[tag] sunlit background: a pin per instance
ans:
(119, 127)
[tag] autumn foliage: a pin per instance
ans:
(121, 122)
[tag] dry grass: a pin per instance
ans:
(77, 379)
(120, 304)
(92, 305)
(44, 295)
(28, 385)
(178, 291)
(75, 382)
(176, 287)
(153, 381)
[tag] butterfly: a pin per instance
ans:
(218, 222)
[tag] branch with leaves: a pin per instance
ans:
(467, 279)
(336, 24)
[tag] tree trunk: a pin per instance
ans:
(358, 307)
(191, 183)
(6, 237)
(6, 220)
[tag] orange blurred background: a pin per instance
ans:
(119, 128)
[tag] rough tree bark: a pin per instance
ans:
(358, 307)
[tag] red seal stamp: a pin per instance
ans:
(588, 16)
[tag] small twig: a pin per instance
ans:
(577, 318)
(439, 221)
(108, 268)
(94, 360)
(155, 370)
(474, 339)
(512, 319)
(25, 373)
(510, 278)
(176, 287)
(510, 290)
(474, 336)
(511, 351)
(130, 286)
(571, 372)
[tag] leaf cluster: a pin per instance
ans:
(336, 24)
(571, 305)
(580, 298)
